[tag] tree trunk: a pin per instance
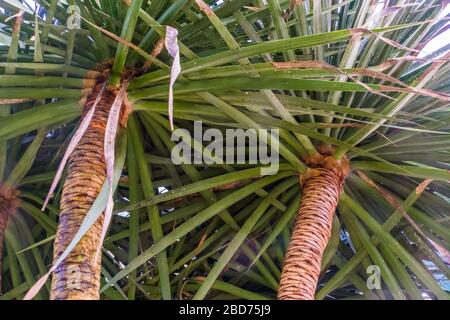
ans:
(321, 189)
(78, 276)
(8, 204)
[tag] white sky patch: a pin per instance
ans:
(31, 3)
(441, 40)
(437, 43)
(162, 190)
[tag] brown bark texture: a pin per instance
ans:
(8, 204)
(321, 185)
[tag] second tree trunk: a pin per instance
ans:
(8, 204)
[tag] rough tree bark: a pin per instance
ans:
(78, 276)
(322, 185)
(8, 204)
